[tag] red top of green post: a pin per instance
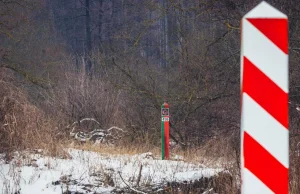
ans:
(165, 105)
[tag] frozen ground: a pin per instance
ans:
(90, 172)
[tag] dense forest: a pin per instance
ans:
(117, 61)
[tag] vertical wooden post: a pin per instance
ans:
(165, 120)
(264, 101)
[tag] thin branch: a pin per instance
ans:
(131, 188)
(35, 80)
(229, 26)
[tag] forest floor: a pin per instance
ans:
(80, 171)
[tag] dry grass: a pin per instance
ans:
(294, 169)
(23, 125)
(129, 149)
(79, 96)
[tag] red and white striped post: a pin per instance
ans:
(264, 101)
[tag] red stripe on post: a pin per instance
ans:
(264, 166)
(265, 92)
(167, 139)
(274, 29)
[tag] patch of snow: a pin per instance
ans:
(90, 172)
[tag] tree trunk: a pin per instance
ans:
(100, 23)
(164, 31)
(88, 37)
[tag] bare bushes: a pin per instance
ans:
(78, 96)
(22, 125)
(223, 150)
(294, 145)
(40, 120)
(294, 165)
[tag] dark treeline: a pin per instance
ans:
(184, 52)
(119, 60)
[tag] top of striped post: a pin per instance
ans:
(265, 10)
(269, 50)
(271, 22)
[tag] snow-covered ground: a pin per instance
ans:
(91, 172)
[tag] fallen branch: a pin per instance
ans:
(102, 135)
(131, 188)
(208, 191)
(114, 127)
(139, 176)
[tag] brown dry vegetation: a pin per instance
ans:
(23, 125)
